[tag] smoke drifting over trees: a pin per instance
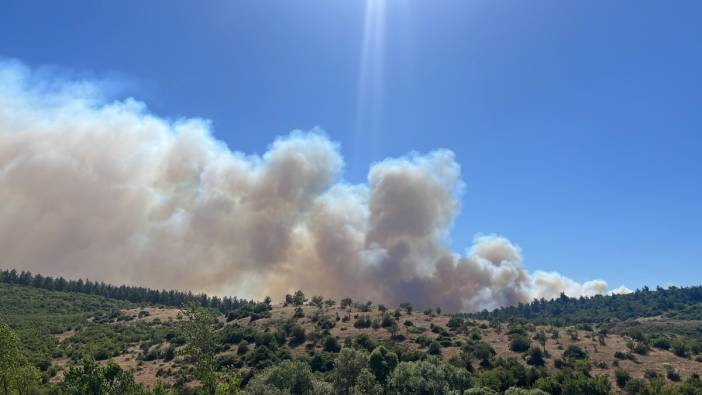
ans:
(106, 190)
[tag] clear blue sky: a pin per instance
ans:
(578, 125)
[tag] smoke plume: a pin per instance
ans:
(105, 190)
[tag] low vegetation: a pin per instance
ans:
(70, 341)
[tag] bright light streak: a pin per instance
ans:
(370, 85)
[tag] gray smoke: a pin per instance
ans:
(106, 190)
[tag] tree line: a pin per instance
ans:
(674, 302)
(134, 294)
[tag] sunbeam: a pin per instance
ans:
(370, 84)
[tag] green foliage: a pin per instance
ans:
(198, 329)
(574, 352)
(621, 377)
(91, 378)
(99, 330)
(434, 348)
(331, 344)
(317, 301)
(574, 382)
(363, 321)
(524, 391)
(348, 366)
(519, 343)
(675, 302)
(15, 372)
(480, 391)
(382, 362)
(298, 298)
(428, 377)
(535, 356)
(288, 377)
(346, 303)
(131, 294)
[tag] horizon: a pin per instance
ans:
(453, 146)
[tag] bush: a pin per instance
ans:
(671, 373)
(480, 391)
(662, 343)
(362, 321)
(297, 335)
(640, 348)
(574, 352)
(428, 377)
(519, 343)
(622, 377)
(287, 377)
(434, 348)
(243, 347)
(679, 348)
(331, 345)
(322, 362)
(524, 391)
(535, 357)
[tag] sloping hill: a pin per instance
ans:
(514, 347)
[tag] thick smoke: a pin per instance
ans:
(108, 191)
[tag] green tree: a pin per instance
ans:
(519, 343)
(428, 377)
(348, 367)
(288, 377)
(393, 328)
(382, 362)
(299, 298)
(9, 357)
(198, 328)
(16, 374)
(317, 301)
(366, 384)
(535, 356)
(346, 303)
(434, 348)
(91, 378)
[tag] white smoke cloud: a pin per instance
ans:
(106, 190)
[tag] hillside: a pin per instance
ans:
(347, 347)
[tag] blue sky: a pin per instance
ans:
(578, 125)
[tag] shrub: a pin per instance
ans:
(574, 352)
(679, 348)
(434, 348)
(622, 377)
(535, 356)
(243, 347)
(671, 373)
(519, 343)
(662, 343)
(365, 342)
(428, 377)
(286, 377)
(297, 335)
(331, 345)
(640, 348)
(455, 322)
(362, 321)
